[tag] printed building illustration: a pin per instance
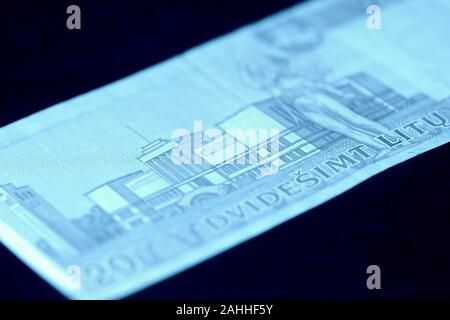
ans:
(57, 234)
(165, 188)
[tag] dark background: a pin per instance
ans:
(398, 220)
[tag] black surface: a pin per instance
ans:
(398, 220)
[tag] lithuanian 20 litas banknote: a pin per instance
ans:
(124, 186)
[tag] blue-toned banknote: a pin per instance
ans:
(124, 186)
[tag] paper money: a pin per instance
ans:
(124, 186)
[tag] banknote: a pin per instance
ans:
(124, 186)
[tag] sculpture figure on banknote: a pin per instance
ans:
(292, 72)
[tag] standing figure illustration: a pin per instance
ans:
(293, 73)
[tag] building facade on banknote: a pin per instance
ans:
(163, 188)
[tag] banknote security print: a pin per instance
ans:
(112, 191)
